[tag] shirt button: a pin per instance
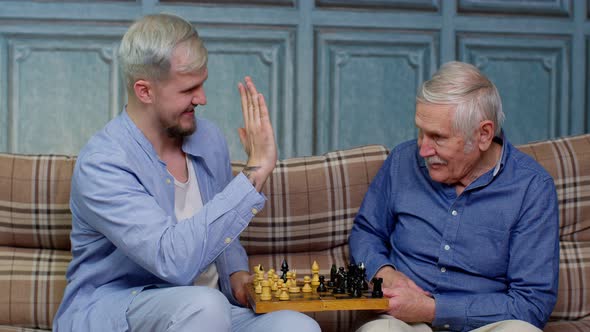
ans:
(254, 211)
(443, 269)
(134, 292)
(227, 240)
(454, 212)
(447, 247)
(167, 181)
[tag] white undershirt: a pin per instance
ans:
(187, 202)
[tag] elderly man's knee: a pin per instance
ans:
(511, 325)
(520, 325)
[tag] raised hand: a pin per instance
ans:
(257, 135)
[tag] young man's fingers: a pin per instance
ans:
(244, 99)
(254, 96)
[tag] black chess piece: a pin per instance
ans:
(340, 280)
(377, 287)
(284, 269)
(333, 272)
(357, 288)
(363, 275)
(322, 287)
(345, 282)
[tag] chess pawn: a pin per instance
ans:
(266, 295)
(280, 284)
(289, 277)
(274, 284)
(322, 287)
(258, 288)
(284, 294)
(306, 287)
(271, 273)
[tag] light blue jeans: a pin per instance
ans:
(197, 308)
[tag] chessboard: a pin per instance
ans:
(314, 301)
(347, 290)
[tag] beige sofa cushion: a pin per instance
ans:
(312, 201)
(34, 201)
(568, 161)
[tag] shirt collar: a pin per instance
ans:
(189, 145)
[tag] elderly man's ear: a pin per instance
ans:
(486, 134)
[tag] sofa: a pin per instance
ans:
(311, 206)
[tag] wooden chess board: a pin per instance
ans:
(314, 301)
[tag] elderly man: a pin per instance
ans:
(156, 212)
(461, 226)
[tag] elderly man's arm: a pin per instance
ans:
(369, 237)
(532, 274)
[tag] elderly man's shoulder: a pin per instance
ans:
(527, 164)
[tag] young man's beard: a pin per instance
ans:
(179, 132)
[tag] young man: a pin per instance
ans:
(156, 212)
(461, 226)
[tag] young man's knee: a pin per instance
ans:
(295, 321)
(201, 308)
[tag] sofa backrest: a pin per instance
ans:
(311, 205)
(568, 161)
(35, 223)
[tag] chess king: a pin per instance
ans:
(156, 211)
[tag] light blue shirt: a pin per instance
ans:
(125, 235)
(489, 254)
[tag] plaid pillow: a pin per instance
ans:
(32, 283)
(312, 201)
(568, 161)
(34, 201)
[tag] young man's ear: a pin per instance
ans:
(144, 91)
(486, 134)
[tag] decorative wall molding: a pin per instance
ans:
(20, 53)
(275, 53)
(523, 7)
(511, 54)
(288, 3)
(428, 5)
(417, 52)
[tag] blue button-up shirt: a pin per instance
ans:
(488, 254)
(125, 235)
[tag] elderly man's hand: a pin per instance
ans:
(396, 279)
(239, 282)
(257, 136)
(409, 305)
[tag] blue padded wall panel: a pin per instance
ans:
(532, 75)
(367, 84)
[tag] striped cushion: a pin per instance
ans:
(312, 201)
(32, 283)
(34, 201)
(571, 326)
(568, 161)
